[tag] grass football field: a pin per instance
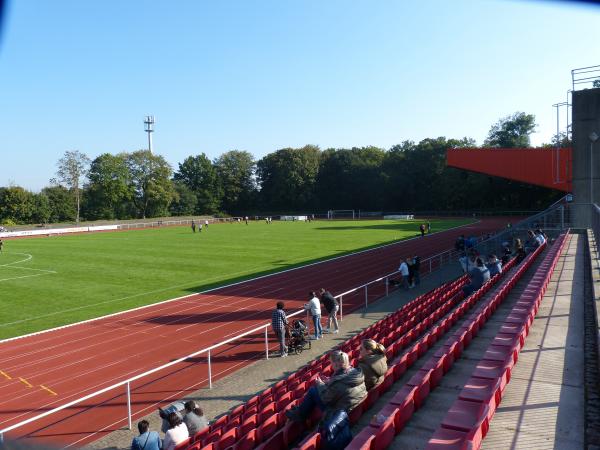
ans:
(51, 281)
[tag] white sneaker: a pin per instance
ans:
(284, 355)
(336, 331)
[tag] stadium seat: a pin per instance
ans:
(234, 422)
(183, 444)
(195, 446)
(248, 424)
(227, 439)
(266, 428)
(384, 434)
(247, 441)
(292, 430)
(200, 435)
(467, 416)
(421, 381)
(363, 440)
(311, 442)
(275, 442)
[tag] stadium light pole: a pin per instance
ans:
(593, 138)
(149, 128)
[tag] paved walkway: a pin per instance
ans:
(542, 407)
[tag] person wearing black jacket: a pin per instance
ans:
(332, 308)
(416, 270)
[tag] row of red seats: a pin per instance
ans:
(467, 421)
(379, 434)
(408, 358)
(263, 416)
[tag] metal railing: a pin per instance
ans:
(430, 264)
(585, 75)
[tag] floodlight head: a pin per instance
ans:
(593, 136)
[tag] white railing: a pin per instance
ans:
(430, 264)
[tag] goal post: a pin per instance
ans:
(341, 214)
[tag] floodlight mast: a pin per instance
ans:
(149, 128)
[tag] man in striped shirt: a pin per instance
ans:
(279, 322)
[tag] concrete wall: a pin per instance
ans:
(586, 156)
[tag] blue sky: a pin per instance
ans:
(263, 75)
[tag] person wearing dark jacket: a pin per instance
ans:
(332, 308)
(343, 391)
(372, 362)
(417, 270)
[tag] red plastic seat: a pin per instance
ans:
(213, 437)
(249, 412)
(501, 353)
(356, 413)
(421, 381)
(275, 442)
(311, 442)
(228, 438)
(196, 446)
(493, 370)
(467, 416)
(436, 365)
(247, 441)
(384, 434)
(267, 411)
(219, 422)
(363, 440)
(248, 424)
(267, 428)
(372, 397)
(200, 435)
(283, 401)
(292, 430)
(400, 367)
(183, 444)
(233, 423)
(483, 390)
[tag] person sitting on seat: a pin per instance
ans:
(194, 419)
(373, 362)
(494, 265)
(177, 432)
(147, 440)
(343, 391)
(478, 275)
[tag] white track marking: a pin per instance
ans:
(25, 276)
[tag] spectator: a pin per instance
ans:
(177, 408)
(279, 322)
(147, 440)
(332, 308)
(531, 243)
(494, 265)
(372, 362)
(422, 229)
(194, 419)
(459, 245)
(343, 391)
(404, 273)
(176, 434)
(519, 251)
(540, 237)
(314, 306)
(478, 275)
(411, 273)
(417, 270)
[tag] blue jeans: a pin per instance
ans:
(310, 401)
(317, 322)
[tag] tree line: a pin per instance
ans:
(409, 176)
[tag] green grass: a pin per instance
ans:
(73, 278)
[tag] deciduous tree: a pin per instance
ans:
(235, 171)
(72, 169)
(511, 131)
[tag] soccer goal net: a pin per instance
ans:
(340, 214)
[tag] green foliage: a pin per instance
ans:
(184, 201)
(288, 177)
(511, 131)
(596, 84)
(72, 169)
(101, 273)
(150, 182)
(200, 176)
(108, 193)
(60, 201)
(16, 204)
(235, 177)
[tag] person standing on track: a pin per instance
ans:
(314, 306)
(279, 322)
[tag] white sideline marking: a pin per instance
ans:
(195, 293)
(25, 276)
(28, 257)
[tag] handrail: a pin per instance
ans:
(208, 350)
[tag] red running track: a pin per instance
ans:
(46, 370)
